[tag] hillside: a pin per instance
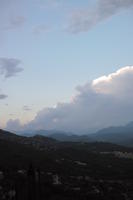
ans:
(15, 150)
(122, 135)
(64, 170)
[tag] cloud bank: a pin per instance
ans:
(106, 101)
(9, 67)
(85, 19)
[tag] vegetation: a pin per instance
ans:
(41, 168)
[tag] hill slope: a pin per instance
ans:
(119, 135)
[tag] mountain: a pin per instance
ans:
(122, 135)
(40, 142)
(36, 141)
(29, 133)
(57, 135)
(63, 157)
(70, 138)
(119, 135)
(63, 170)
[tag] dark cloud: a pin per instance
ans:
(3, 96)
(85, 19)
(10, 67)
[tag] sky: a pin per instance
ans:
(65, 64)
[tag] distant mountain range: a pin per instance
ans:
(122, 135)
(61, 136)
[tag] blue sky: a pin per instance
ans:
(55, 59)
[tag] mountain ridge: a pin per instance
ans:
(122, 135)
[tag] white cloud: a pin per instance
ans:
(10, 67)
(87, 18)
(104, 102)
(116, 83)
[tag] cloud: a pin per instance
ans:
(106, 101)
(13, 124)
(3, 96)
(26, 108)
(11, 15)
(85, 19)
(41, 29)
(13, 23)
(10, 67)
